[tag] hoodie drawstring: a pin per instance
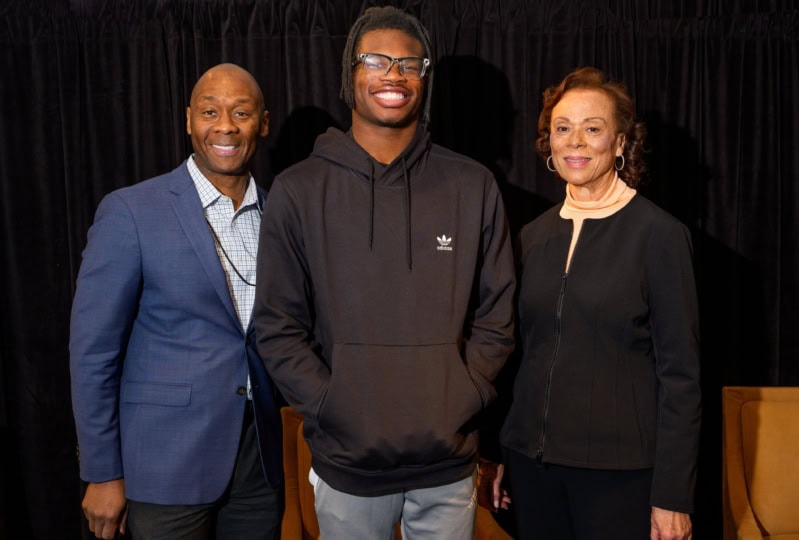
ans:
(371, 203)
(407, 201)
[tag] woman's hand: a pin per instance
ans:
(668, 525)
(490, 493)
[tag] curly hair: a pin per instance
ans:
(385, 18)
(634, 132)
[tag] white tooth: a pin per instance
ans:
(391, 95)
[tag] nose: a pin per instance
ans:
(225, 124)
(575, 138)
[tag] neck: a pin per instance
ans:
(592, 191)
(232, 186)
(383, 143)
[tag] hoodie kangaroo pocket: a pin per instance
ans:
(389, 405)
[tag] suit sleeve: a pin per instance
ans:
(103, 309)
(489, 332)
(283, 309)
(675, 328)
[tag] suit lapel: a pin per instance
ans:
(189, 212)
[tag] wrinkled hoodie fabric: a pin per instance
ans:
(384, 309)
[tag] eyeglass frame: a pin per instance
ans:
(425, 62)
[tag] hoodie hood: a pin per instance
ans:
(340, 148)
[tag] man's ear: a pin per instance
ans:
(188, 120)
(264, 124)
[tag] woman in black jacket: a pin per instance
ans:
(601, 440)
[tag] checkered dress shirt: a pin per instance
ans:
(237, 234)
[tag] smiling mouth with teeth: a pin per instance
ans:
(393, 96)
(224, 149)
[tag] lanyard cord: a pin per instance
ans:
(221, 247)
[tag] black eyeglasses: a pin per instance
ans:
(410, 67)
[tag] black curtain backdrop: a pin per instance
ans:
(93, 93)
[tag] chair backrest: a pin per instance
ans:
(299, 518)
(761, 462)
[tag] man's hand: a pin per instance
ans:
(489, 491)
(104, 506)
(668, 525)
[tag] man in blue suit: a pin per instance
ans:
(177, 421)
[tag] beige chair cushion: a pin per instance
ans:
(770, 432)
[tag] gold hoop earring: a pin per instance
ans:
(549, 165)
(616, 163)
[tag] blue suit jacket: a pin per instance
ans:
(158, 357)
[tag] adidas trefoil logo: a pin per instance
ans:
(444, 243)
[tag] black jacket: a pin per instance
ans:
(384, 309)
(609, 377)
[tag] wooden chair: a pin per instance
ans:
(760, 479)
(299, 519)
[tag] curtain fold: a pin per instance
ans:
(93, 96)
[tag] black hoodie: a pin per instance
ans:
(384, 309)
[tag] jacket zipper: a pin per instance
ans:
(540, 451)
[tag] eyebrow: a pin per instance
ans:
(589, 119)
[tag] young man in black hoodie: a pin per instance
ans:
(384, 299)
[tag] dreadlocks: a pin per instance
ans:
(384, 18)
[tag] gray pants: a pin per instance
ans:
(438, 513)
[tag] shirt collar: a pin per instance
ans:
(208, 192)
